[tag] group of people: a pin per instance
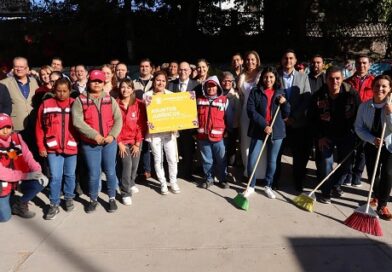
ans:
(81, 125)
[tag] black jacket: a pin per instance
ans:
(5, 100)
(334, 118)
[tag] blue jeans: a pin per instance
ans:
(59, 165)
(343, 146)
(29, 188)
(98, 156)
(273, 148)
(213, 152)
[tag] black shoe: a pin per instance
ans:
(299, 188)
(22, 209)
(324, 200)
(207, 184)
(52, 212)
(92, 206)
(224, 184)
(69, 206)
(356, 182)
(337, 191)
(112, 205)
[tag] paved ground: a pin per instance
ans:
(197, 230)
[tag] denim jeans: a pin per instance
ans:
(97, 157)
(273, 148)
(5, 208)
(29, 189)
(343, 146)
(61, 166)
(213, 155)
(128, 172)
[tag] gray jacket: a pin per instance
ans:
(299, 98)
(364, 122)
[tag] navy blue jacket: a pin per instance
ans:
(256, 108)
(5, 100)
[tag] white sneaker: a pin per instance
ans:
(164, 189)
(248, 192)
(127, 201)
(175, 188)
(134, 189)
(268, 191)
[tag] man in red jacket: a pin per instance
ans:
(362, 82)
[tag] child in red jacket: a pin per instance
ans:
(56, 140)
(132, 133)
(17, 164)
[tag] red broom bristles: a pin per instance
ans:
(365, 223)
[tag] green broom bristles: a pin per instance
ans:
(304, 202)
(241, 202)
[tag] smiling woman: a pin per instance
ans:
(373, 117)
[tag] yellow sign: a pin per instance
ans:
(171, 112)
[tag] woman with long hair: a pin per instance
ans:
(131, 136)
(264, 101)
(371, 116)
(246, 82)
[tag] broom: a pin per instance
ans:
(240, 200)
(306, 201)
(364, 218)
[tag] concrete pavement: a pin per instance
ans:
(197, 230)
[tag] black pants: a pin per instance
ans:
(299, 141)
(186, 150)
(383, 181)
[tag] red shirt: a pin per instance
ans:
(269, 93)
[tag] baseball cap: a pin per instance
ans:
(96, 75)
(5, 120)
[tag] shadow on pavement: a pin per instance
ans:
(57, 244)
(341, 254)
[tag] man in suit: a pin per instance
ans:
(298, 93)
(183, 82)
(186, 142)
(21, 89)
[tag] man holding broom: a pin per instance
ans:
(333, 110)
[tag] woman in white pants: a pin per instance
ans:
(164, 141)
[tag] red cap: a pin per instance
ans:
(5, 120)
(211, 82)
(96, 75)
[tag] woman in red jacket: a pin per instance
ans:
(132, 133)
(56, 140)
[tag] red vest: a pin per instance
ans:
(101, 119)
(211, 118)
(12, 157)
(58, 128)
(364, 88)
